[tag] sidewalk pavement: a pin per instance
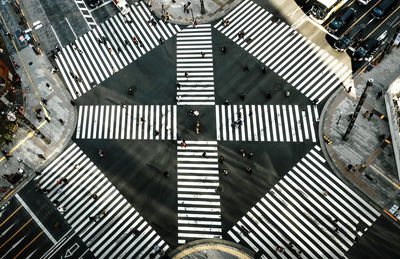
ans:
(35, 72)
(379, 179)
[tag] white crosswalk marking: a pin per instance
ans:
(93, 62)
(199, 207)
(120, 231)
(195, 57)
(124, 121)
(265, 123)
(290, 55)
(86, 14)
(310, 208)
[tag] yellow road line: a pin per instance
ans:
(28, 244)
(23, 64)
(348, 29)
(382, 22)
(30, 134)
(11, 215)
(16, 233)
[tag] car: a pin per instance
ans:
(383, 8)
(364, 51)
(122, 6)
(341, 20)
(364, 2)
(348, 39)
(93, 3)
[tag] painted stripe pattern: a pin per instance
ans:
(146, 122)
(195, 57)
(310, 208)
(277, 123)
(93, 62)
(86, 14)
(289, 54)
(119, 233)
(199, 206)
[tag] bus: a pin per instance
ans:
(323, 9)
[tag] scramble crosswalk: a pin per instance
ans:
(289, 54)
(116, 230)
(309, 212)
(146, 122)
(195, 66)
(266, 123)
(87, 62)
(199, 206)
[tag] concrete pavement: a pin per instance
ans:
(378, 180)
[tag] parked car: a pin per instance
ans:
(348, 39)
(366, 49)
(341, 20)
(383, 8)
(93, 3)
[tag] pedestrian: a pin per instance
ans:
(135, 41)
(54, 70)
(56, 202)
(183, 144)
(44, 101)
(41, 156)
(48, 85)
(197, 127)
(225, 172)
(178, 85)
(161, 40)
(249, 170)
(184, 8)
(202, 54)
(8, 34)
(113, 70)
(242, 96)
(101, 153)
(61, 122)
(99, 40)
(251, 155)
(123, 105)
(16, 65)
(349, 166)
(186, 74)
(355, 168)
(94, 196)
(365, 115)
(279, 249)
(119, 49)
(226, 102)
(126, 42)
(196, 113)
(64, 179)
(221, 159)
(246, 68)
(325, 193)
(166, 174)
(142, 120)
(226, 22)
(290, 244)
(130, 91)
(223, 50)
(156, 133)
(204, 155)
(370, 115)
(110, 51)
(263, 70)
(195, 24)
(242, 152)
(268, 95)
(379, 95)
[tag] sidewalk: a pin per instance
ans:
(35, 72)
(378, 180)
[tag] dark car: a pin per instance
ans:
(348, 39)
(93, 3)
(341, 20)
(383, 8)
(366, 49)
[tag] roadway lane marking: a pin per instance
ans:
(11, 215)
(36, 219)
(381, 23)
(28, 245)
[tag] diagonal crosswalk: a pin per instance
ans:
(89, 62)
(276, 123)
(310, 212)
(195, 57)
(118, 233)
(146, 122)
(199, 206)
(303, 64)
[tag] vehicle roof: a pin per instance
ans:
(327, 3)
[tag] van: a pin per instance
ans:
(338, 22)
(348, 39)
(383, 8)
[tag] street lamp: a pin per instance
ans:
(370, 82)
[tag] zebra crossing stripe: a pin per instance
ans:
(285, 51)
(297, 210)
(199, 212)
(86, 13)
(93, 62)
(121, 231)
(198, 87)
(119, 122)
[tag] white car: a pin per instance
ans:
(364, 2)
(122, 6)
